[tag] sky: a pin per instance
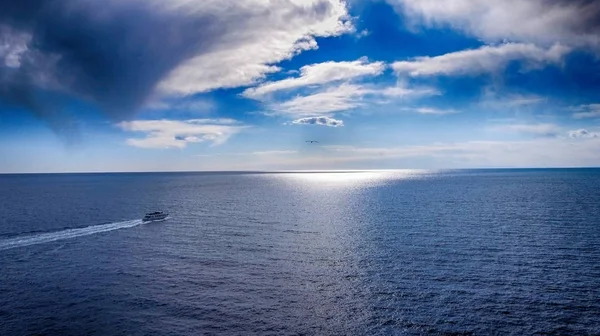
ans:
(205, 85)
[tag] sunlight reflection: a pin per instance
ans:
(353, 178)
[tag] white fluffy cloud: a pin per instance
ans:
(572, 22)
(180, 133)
(587, 111)
(486, 59)
(320, 73)
(263, 33)
(323, 121)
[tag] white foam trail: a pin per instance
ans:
(65, 234)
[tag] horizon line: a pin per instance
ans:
(282, 171)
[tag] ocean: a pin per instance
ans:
(408, 252)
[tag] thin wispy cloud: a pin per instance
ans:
(345, 97)
(539, 152)
(586, 111)
(487, 59)
(318, 74)
(543, 129)
(334, 99)
(402, 90)
(200, 106)
(180, 133)
(522, 100)
(430, 110)
(257, 153)
(496, 98)
(275, 152)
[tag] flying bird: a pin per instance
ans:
(312, 141)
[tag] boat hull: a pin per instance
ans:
(154, 218)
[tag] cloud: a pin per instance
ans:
(333, 99)
(118, 54)
(265, 33)
(582, 133)
(178, 134)
(258, 153)
(274, 152)
(194, 105)
(492, 98)
(320, 73)
(486, 59)
(363, 33)
(403, 91)
(539, 152)
(587, 111)
(330, 87)
(542, 152)
(323, 121)
(430, 110)
(571, 22)
(545, 130)
(344, 97)
(521, 100)
(13, 45)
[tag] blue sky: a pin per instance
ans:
(242, 85)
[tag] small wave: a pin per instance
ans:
(65, 234)
(301, 232)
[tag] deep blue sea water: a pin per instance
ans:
(481, 252)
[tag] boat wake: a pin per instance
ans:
(65, 234)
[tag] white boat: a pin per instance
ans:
(155, 216)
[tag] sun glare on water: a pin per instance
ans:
(351, 178)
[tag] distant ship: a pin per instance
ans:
(155, 216)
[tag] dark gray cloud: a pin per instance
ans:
(110, 53)
(587, 20)
(582, 133)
